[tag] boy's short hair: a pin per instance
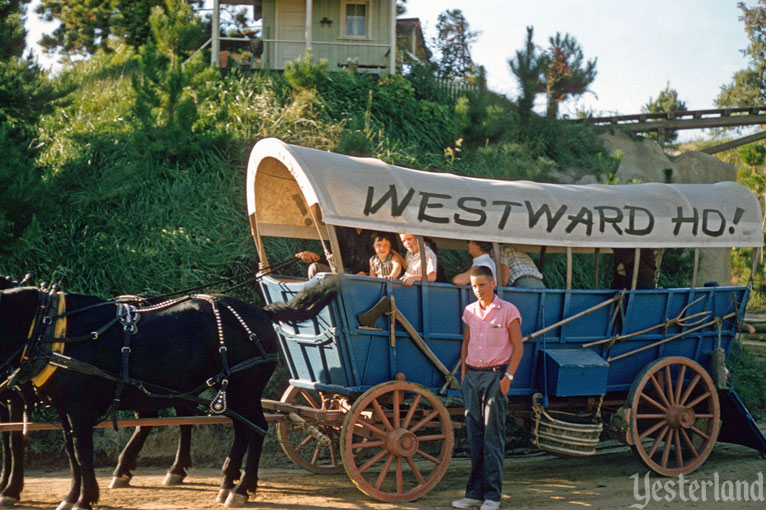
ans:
(381, 236)
(482, 271)
(484, 246)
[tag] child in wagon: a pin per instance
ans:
(413, 270)
(386, 263)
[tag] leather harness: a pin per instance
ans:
(44, 351)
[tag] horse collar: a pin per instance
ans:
(49, 321)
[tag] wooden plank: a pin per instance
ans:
(694, 119)
(280, 410)
(734, 143)
(154, 422)
(454, 384)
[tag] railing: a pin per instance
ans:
(359, 54)
(456, 87)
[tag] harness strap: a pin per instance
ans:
(93, 335)
(69, 363)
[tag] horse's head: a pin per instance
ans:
(18, 306)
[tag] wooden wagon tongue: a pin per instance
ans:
(386, 305)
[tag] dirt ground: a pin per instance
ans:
(539, 481)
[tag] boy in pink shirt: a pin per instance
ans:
(490, 354)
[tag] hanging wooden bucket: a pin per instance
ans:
(565, 435)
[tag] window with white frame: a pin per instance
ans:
(356, 18)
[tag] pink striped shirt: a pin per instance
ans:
(490, 343)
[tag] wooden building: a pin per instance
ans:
(357, 34)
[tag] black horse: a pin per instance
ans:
(177, 351)
(11, 410)
(13, 404)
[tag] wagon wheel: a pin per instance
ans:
(396, 441)
(675, 416)
(302, 448)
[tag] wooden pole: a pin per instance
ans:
(696, 267)
(569, 267)
(215, 44)
(596, 254)
(573, 317)
(392, 36)
(636, 264)
(496, 250)
(336, 261)
(309, 23)
(666, 340)
(423, 260)
(454, 384)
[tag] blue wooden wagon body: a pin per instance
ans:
(333, 353)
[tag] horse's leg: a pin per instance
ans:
(82, 428)
(129, 456)
(233, 462)
(11, 493)
(74, 468)
(5, 417)
(249, 482)
(177, 472)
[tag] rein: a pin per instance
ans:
(128, 314)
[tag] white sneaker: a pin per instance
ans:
(490, 505)
(466, 503)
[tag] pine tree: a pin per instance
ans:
(453, 41)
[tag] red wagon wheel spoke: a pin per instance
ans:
(669, 381)
(680, 383)
(397, 409)
(302, 448)
(690, 388)
(382, 415)
(375, 430)
(415, 470)
(658, 441)
(660, 391)
(368, 444)
(422, 423)
(689, 443)
(654, 402)
(383, 472)
(411, 412)
(686, 429)
(698, 399)
(429, 457)
(679, 452)
(398, 427)
(699, 433)
(653, 429)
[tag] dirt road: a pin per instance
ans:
(540, 481)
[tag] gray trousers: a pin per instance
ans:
(485, 409)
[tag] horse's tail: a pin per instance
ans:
(306, 304)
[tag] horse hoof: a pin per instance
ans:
(77, 506)
(65, 505)
(8, 501)
(235, 500)
(120, 482)
(173, 479)
(222, 495)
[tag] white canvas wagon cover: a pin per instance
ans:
(291, 190)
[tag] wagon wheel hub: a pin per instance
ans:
(402, 442)
(680, 416)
